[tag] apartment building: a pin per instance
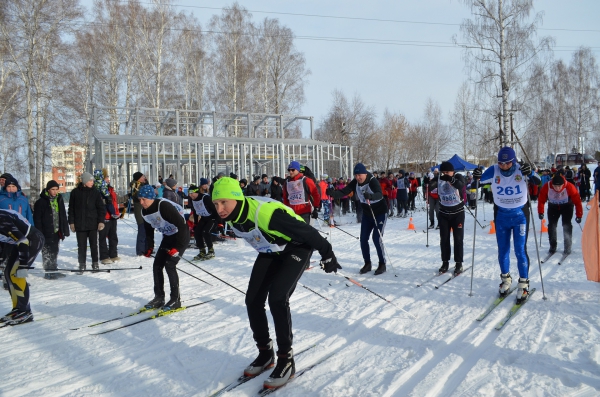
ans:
(67, 166)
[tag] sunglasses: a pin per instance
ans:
(504, 162)
(292, 169)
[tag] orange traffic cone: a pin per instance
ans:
(544, 228)
(492, 228)
(411, 225)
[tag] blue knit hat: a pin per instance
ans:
(147, 192)
(294, 165)
(360, 169)
(506, 154)
(203, 181)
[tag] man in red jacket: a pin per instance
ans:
(562, 196)
(300, 193)
(108, 252)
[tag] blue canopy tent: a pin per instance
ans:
(459, 164)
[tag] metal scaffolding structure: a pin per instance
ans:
(261, 150)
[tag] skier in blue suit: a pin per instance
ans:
(511, 215)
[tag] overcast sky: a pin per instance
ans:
(397, 77)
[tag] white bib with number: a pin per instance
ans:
(509, 192)
(295, 192)
(449, 196)
(200, 207)
(255, 237)
(555, 197)
(157, 222)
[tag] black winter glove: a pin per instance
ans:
(541, 215)
(578, 220)
(368, 196)
(526, 169)
(447, 178)
(329, 191)
(315, 214)
(477, 173)
(330, 264)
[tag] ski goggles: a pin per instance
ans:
(505, 162)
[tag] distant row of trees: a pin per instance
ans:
(556, 105)
(54, 68)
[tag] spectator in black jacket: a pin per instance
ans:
(139, 180)
(50, 218)
(264, 185)
(86, 218)
(276, 189)
(170, 192)
(253, 189)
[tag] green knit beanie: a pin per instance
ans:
(227, 188)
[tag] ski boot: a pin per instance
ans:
(201, 255)
(522, 290)
(210, 254)
(366, 268)
(284, 370)
(156, 303)
(264, 361)
(115, 259)
(380, 269)
(81, 268)
(49, 276)
(8, 316)
(444, 267)
(505, 284)
(106, 261)
(173, 303)
(21, 317)
(95, 267)
(458, 268)
(431, 226)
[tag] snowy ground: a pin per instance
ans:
(551, 348)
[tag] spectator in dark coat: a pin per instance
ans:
(50, 218)
(86, 218)
(139, 180)
(170, 192)
(264, 185)
(253, 189)
(276, 189)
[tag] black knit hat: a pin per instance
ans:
(137, 176)
(51, 184)
(558, 180)
(446, 166)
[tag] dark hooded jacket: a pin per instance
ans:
(43, 216)
(86, 208)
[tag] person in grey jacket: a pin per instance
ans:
(170, 192)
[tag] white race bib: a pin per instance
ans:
(156, 221)
(509, 192)
(295, 192)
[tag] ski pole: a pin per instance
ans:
(125, 268)
(474, 233)
(72, 270)
(337, 227)
(381, 238)
(374, 293)
(191, 275)
(427, 213)
(316, 293)
(210, 274)
(537, 250)
(470, 212)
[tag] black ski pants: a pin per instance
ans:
(108, 240)
(162, 260)
(434, 210)
(50, 252)
(82, 239)
(411, 200)
(202, 233)
(555, 211)
(275, 276)
(455, 222)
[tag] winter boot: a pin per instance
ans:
(20, 318)
(173, 303)
(106, 261)
(115, 259)
(156, 303)
(201, 255)
(81, 268)
(366, 268)
(210, 254)
(264, 361)
(95, 266)
(431, 226)
(284, 370)
(380, 269)
(505, 284)
(522, 290)
(444, 267)
(8, 316)
(458, 268)
(552, 250)
(50, 276)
